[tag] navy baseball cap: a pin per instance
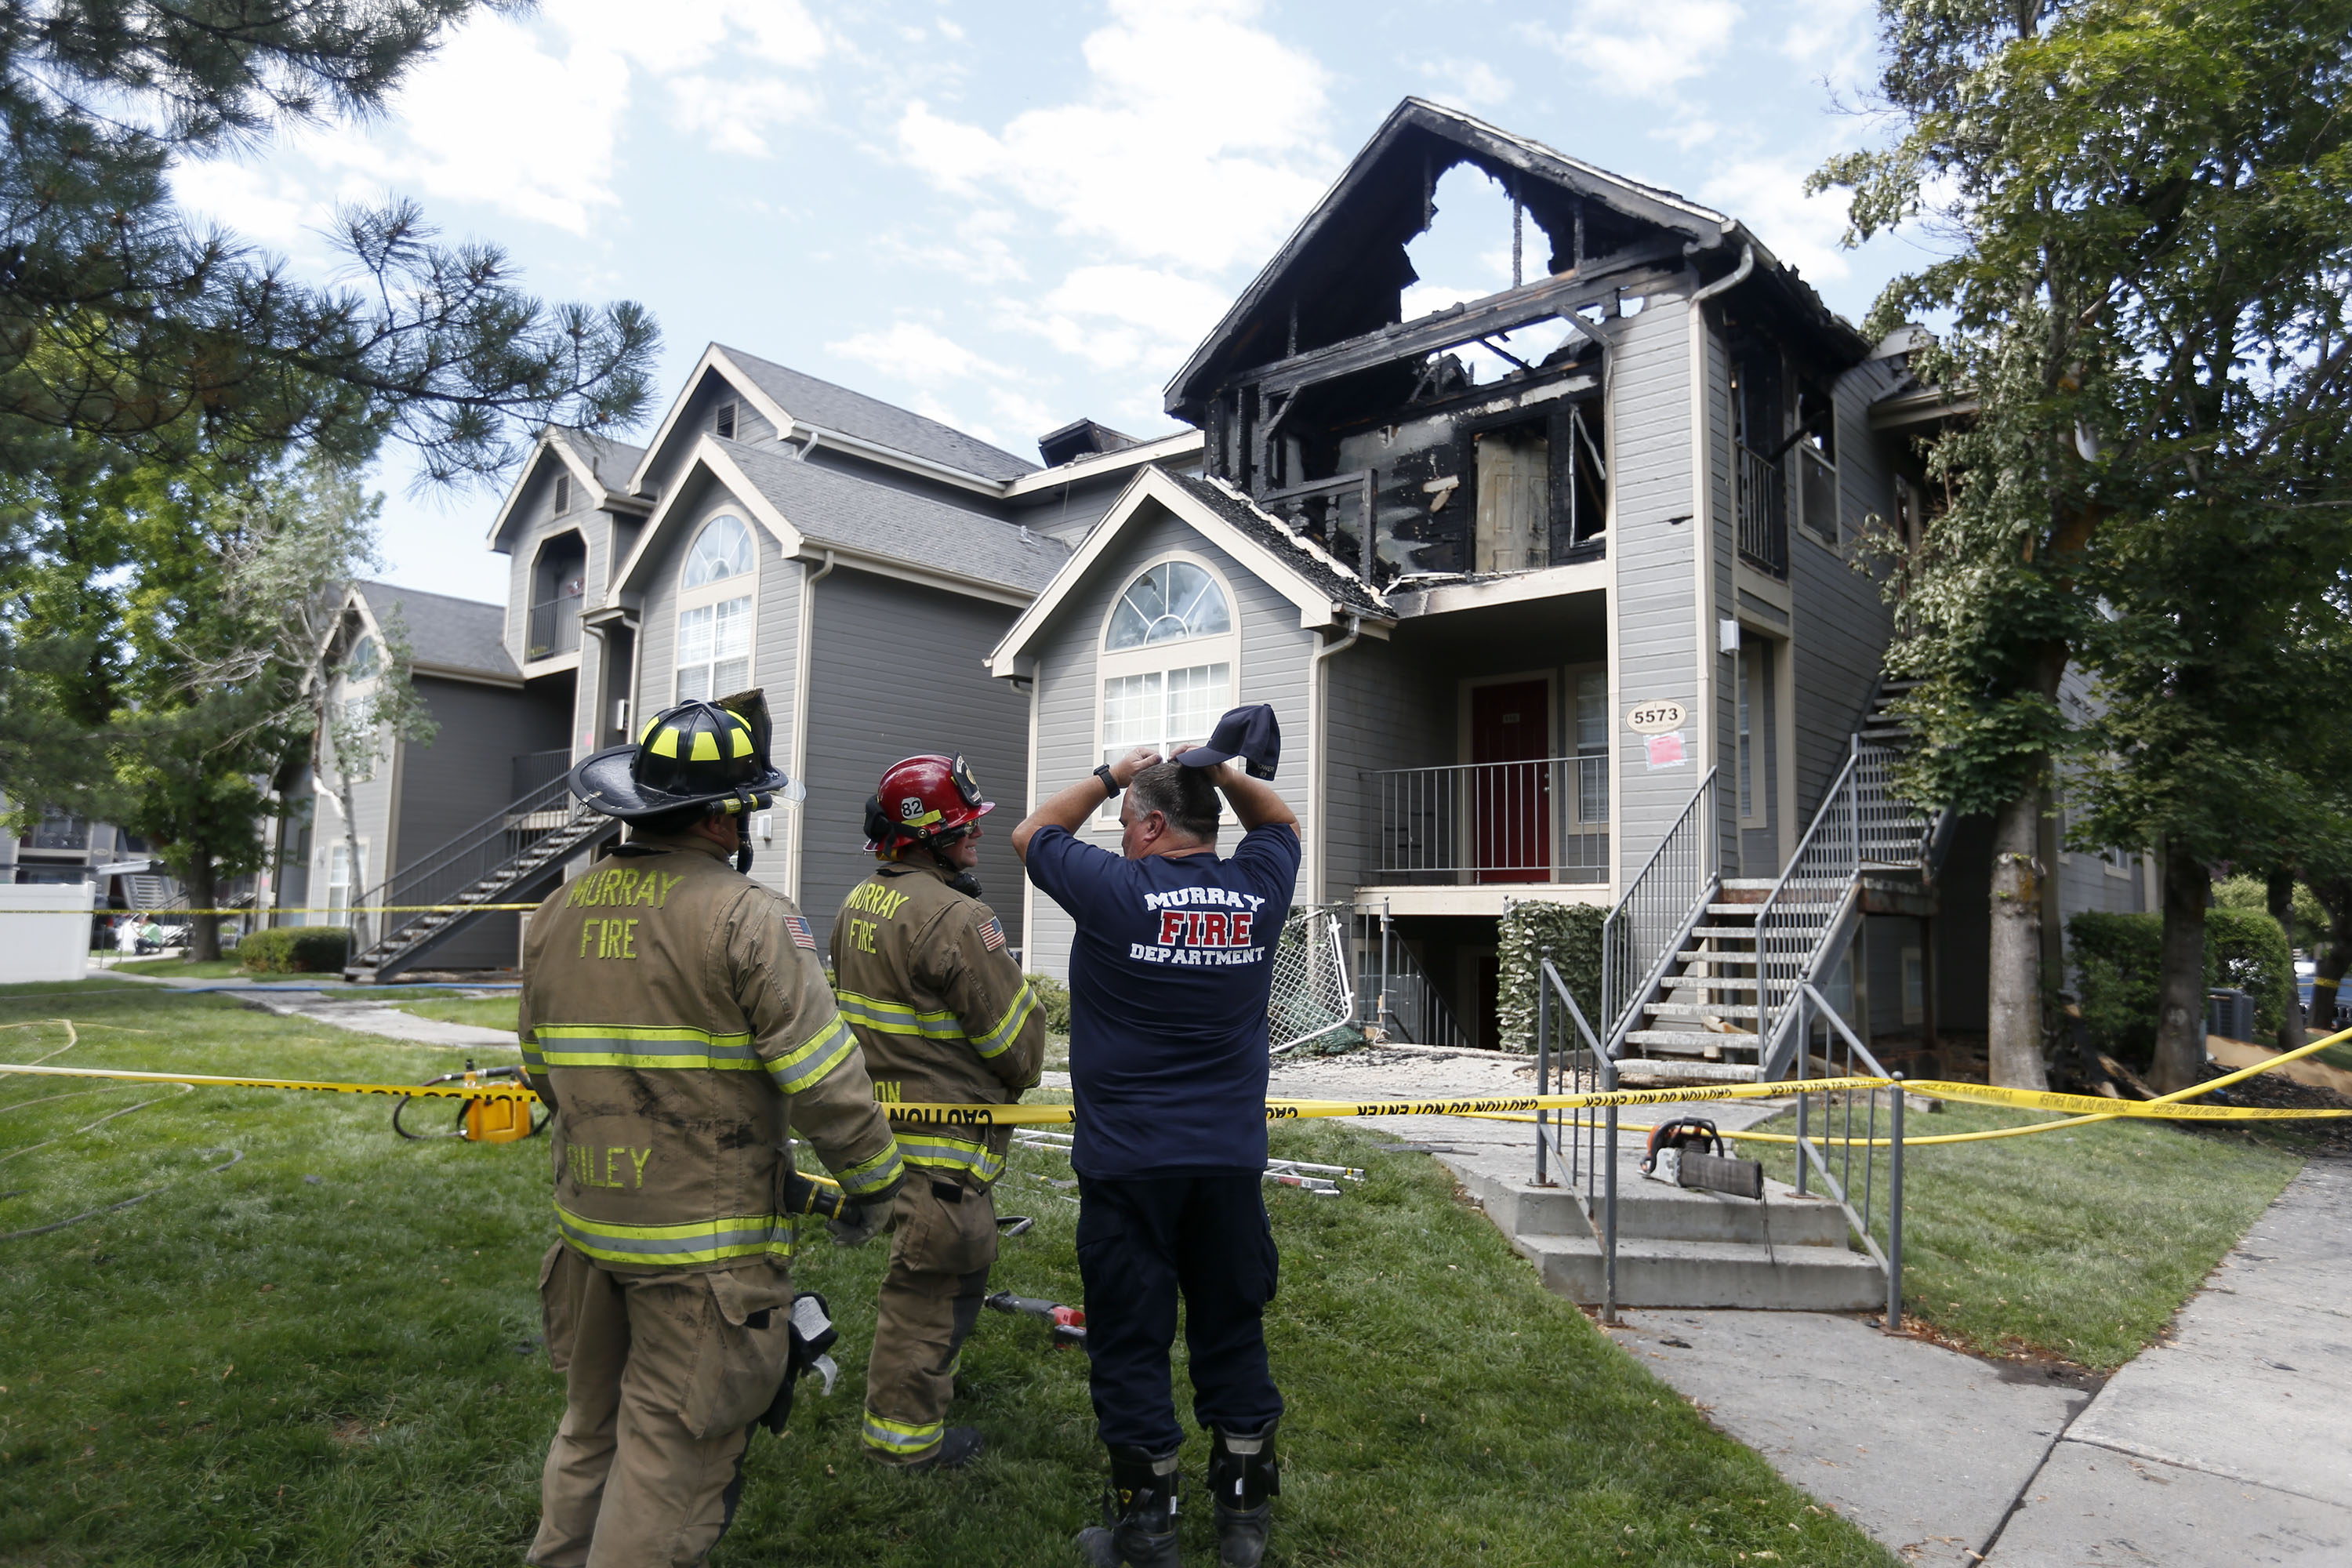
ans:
(1249, 733)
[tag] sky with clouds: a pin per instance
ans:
(1009, 215)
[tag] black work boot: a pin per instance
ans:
(1242, 1475)
(957, 1447)
(1138, 1526)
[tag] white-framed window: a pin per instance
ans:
(1169, 658)
(1816, 460)
(343, 879)
(715, 597)
(359, 665)
(1591, 688)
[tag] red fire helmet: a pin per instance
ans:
(931, 799)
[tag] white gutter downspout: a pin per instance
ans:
(1319, 768)
(1703, 509)
(804, 652)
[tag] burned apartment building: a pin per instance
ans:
(1554, 591)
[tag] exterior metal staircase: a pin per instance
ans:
(1711, 996)
(509, 856)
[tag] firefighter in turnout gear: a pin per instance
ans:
(944, 1016)
(676, 1019)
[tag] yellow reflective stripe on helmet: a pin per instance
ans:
(871, 1175)
(898, 1018)
(809, 1061)
(1008, 1028)
(644, 1046)
(941, 1150)
(660, 1246)
(665, 743)
(741, 745)
(706, 747)
(901, 1437)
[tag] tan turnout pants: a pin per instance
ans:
(664, 1376)
(940, 1253)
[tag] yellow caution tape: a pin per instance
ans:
(436, 1091)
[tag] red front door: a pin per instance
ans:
(1510, 785)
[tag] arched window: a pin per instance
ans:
(360, 663)
(714, 610)
(1170, 654)
(722, 550)
(1174, 599)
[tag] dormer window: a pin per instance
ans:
(722, 421)
(562, 494)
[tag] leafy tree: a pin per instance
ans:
(2149, 204)
(133, 342)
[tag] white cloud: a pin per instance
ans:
(1120, 316)
(1769, 196)
(914, 351)
(1198, 139)
(256, 202)
(1833, 38)
(1474, 84)
(1644, 48)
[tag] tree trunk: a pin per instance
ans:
(2279, 894)
(2335, 956)
(354, 885)
(2013, 1005)
(204, 893)
(2181, 995)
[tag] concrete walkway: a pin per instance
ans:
(323, 1004)
(2231, 1443)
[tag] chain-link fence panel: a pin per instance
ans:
(1314, 982)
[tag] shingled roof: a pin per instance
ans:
(830, 506)
(1303, 556)
(447, 634)
(821, 403)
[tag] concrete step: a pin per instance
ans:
(1709, 982)
(1736, 956)
(1654, 1273)
(1721, 932)
(1660, 1072)
(1748, 884)
(1653, 1211)
(1690, 1040)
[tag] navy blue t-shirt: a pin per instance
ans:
(1169, 981)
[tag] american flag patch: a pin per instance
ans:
(991, 936)
(799, 928)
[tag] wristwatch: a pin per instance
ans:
(1111, 785)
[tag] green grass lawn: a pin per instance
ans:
(2080, 1245)
(327, 1354)
(482, 1012)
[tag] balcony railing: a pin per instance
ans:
(555, 625)
(1544, 820)
(1763, 512)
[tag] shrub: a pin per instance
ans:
(1054, 998)
(2118, 959)
(1572, 932)
(296, 949)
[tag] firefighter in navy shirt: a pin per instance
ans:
(1168, 982)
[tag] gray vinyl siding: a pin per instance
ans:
(459, 779)
(694, 423)
(1650, 474)
(1841, 622)
(1069, 512)
(1274, 650)
(1384, 707)
(897, 669)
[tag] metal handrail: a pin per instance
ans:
(1811, 1159)
(1589, 1157)
(1532, 819)
(1621, 999)
(472, 854)
(1770, 1008)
